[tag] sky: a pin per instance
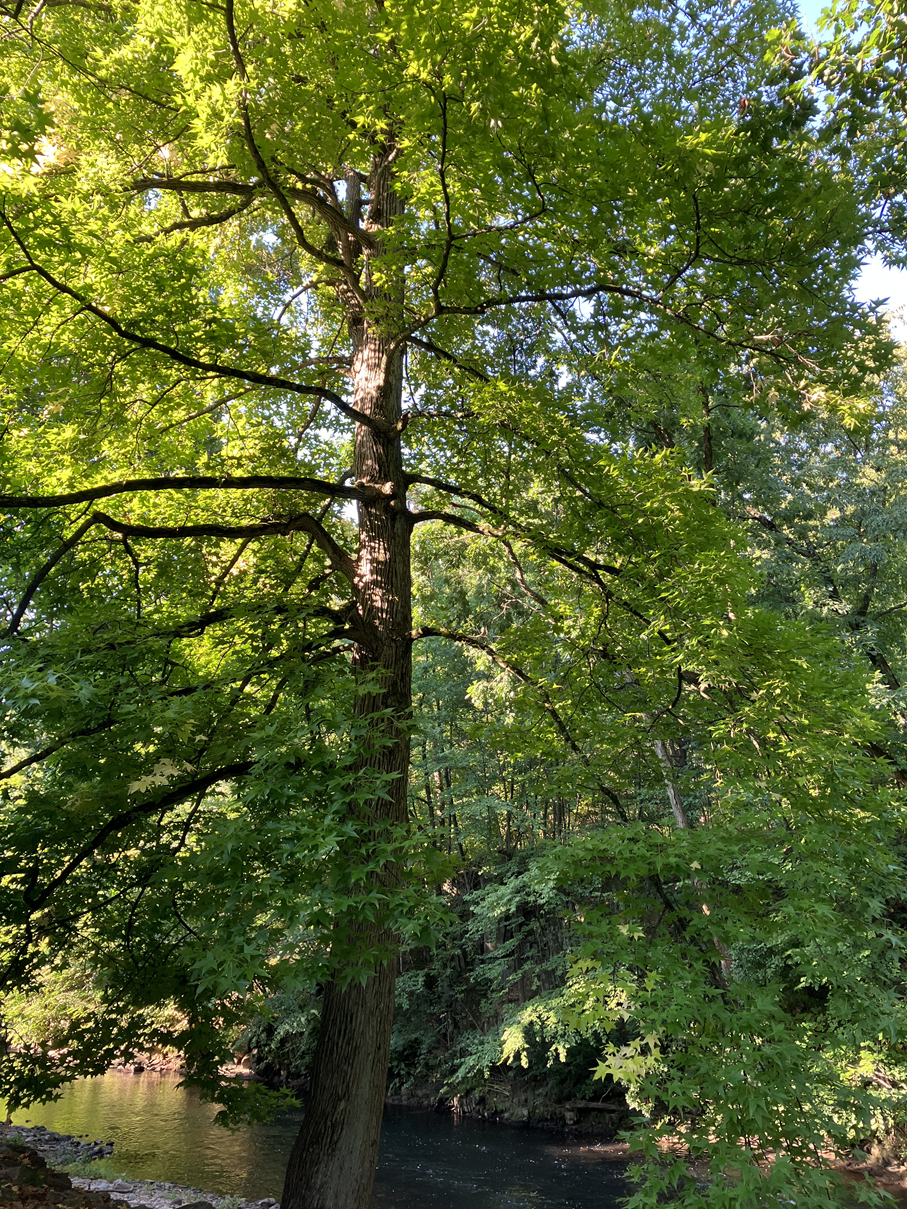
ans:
(876, 281)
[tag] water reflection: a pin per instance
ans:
(441, 1162)
(427, 1161)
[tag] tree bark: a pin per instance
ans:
(667, 758)
(332, 1164)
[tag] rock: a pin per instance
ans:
(37, 1187)
(22, 1176)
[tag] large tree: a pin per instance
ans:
(279, 283)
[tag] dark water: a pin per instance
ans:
(427, 1161)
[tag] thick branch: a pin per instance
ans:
(289, 213)
(894, 609)
(174, 354)
(580, 564)
(453, 489)
(327, 212)
(197, 223)
(126, 817)
(898, 772)
(196, 482)
(653, 302)
(443, 354)
(295, 524)
(304, 523)
(40, 575)
(45, 752)
(317, 205)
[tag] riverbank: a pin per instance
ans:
(20, 1171)
(171, 1155)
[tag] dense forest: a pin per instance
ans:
(454, 577)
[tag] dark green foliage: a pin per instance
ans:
(506, 948)
(281, 1042)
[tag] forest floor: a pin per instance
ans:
(887, 1177)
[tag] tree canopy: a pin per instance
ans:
(338, 332)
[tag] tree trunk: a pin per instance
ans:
(332, 1164)
(667, 758)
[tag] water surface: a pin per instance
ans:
(428, 1161)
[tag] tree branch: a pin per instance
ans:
(898, 772)
(319, 207)
(580, 564)
(195, 224)
(521, 577)
(295, 524)
(40, 575)
(652, 301)
(38, 756)
(304, 523)
(197, 482)
(453, 489)
(894, 609)
(327, 213)
(174, 354)
(124, 818)
(442, 354)
(212, 407)
(482, 644)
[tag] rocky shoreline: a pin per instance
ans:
(30, 1158)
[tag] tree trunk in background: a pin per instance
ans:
(332, 1165)
(670, 761)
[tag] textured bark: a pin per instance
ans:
(332, 1165)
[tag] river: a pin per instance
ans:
(428, 1161)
